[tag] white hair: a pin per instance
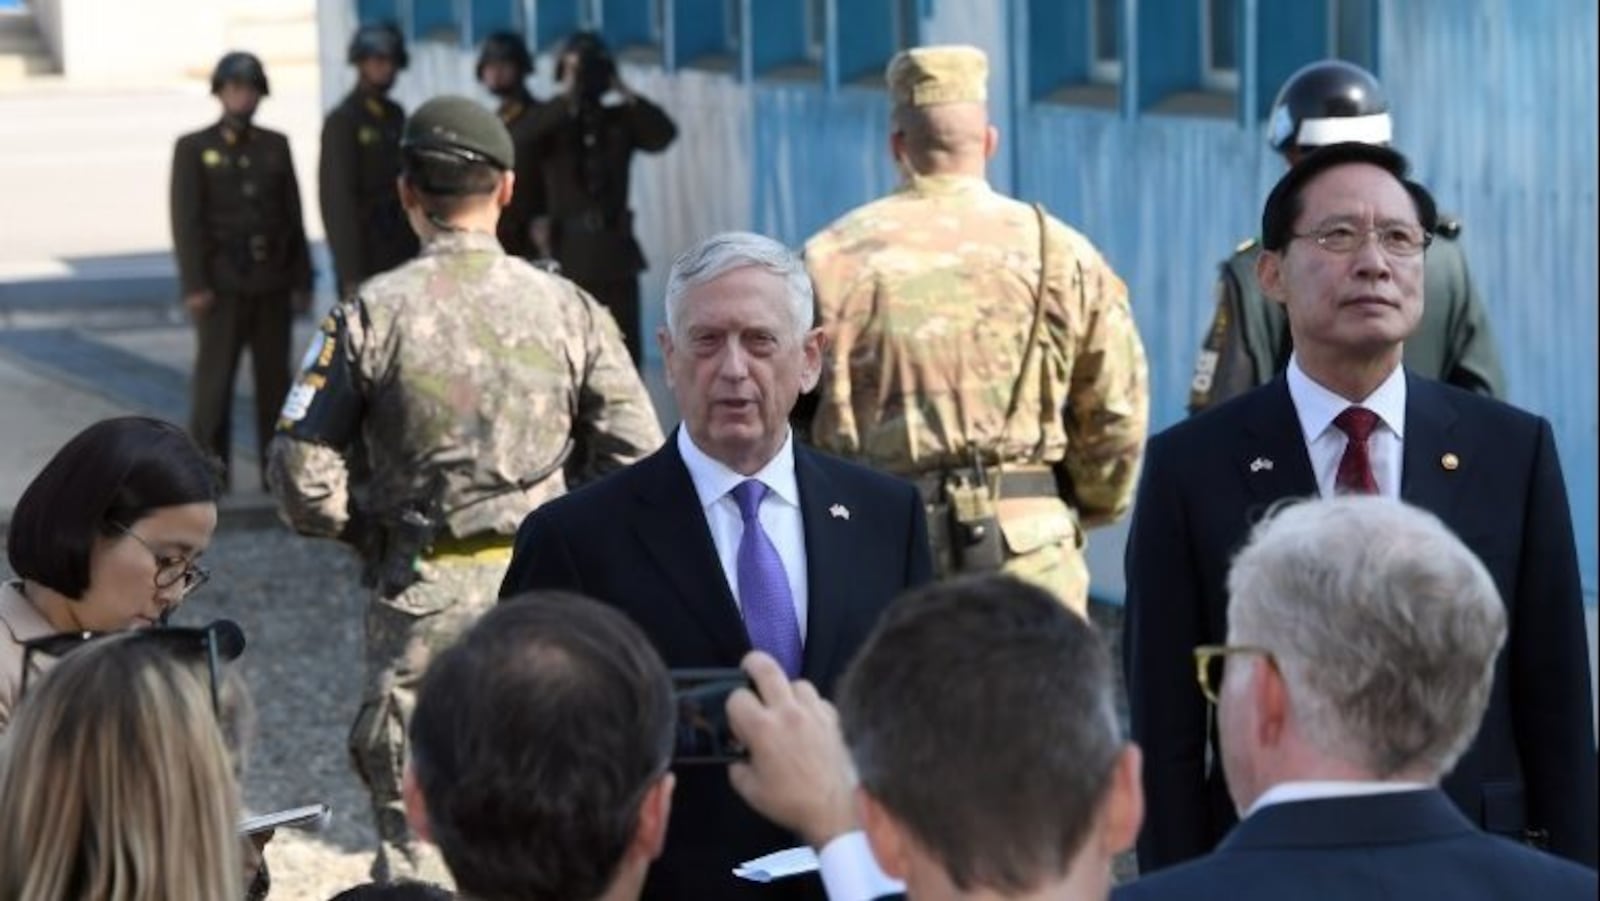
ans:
(726, 251)
(1384, 624)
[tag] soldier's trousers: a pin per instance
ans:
(621, 297)
(261, 323)
(1042, 541)
(402, 635)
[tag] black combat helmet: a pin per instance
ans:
(241, 67)
(379, 39)
(1329, 102)
(596, 67)
(505, 47)
(461, 128)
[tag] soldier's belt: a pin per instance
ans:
(1015, 482)
(488, 547)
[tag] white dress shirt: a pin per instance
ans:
(1311, 790)
(850, 872)
(1325, 442)
(779, 513)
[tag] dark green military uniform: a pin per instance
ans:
(528, 195)
(1248, 342)
(238, 232)
(366, 227)
(585, 151)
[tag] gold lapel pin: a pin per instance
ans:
(1450, 462)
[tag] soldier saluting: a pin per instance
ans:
(240, 242)
(367, 231)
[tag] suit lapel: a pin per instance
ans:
(1271, 455)
(672, 527)
(1430, 444)
(829, 551)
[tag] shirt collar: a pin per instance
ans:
(21, 618)
(944, 185)
(1317, 406)
(713, 479)
(462, 242)
(1313, 789)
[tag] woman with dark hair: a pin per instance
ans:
(106, 538)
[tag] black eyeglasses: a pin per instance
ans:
(184, 642)
(171, 571)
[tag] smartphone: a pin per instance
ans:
(702, 733)
(312, 818)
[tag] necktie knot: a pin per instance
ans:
(1356, 422)
(748, 495)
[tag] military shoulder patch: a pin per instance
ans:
(1245, 245)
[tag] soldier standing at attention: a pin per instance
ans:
(240, 240)
(473, 385)
(503, 68)
(367, 231)
(1248, 342)
(585, 148)
(977, 345)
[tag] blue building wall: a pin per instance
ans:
(1495, 103)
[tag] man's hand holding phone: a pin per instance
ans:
(797, 772)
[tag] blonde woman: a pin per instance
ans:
(115, 780)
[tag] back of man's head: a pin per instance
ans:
(1385, 628)
(939, 107)
(535, 742)
(981, 720)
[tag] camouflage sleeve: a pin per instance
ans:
(308, 474)
(1108, 399)
(825, 416)
(1224, 368)
(311, 485)
(616, 422)
(1474, 361)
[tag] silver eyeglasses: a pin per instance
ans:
(1396, 240)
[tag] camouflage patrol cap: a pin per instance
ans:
(462, 128)
(951, 73)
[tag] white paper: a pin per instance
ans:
(778, 865)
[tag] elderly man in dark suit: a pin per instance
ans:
(1362, 638)
(1343, 234)
(733, 536)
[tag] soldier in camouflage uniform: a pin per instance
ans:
(938, 368)
(478, 387)
(1248, 342)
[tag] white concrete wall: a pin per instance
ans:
(112, 40)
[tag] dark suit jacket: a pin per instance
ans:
(1411, 845)
(1533, 762)
(638, 540)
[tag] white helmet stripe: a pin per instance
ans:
(1373, 129)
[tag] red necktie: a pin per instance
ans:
(1355, 467)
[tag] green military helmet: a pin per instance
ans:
(459, 127)
(241, 67)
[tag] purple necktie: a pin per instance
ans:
(764, 586)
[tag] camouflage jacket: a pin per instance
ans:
(472, 369)
(927, 297)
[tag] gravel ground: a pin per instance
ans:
(301, 610)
